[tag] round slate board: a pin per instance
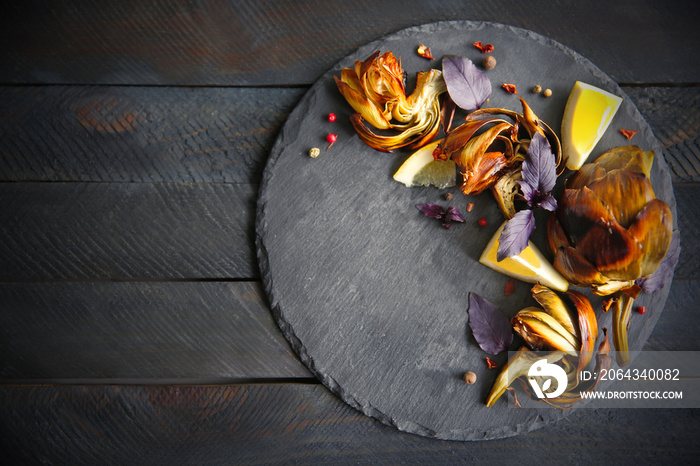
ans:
(373, 295)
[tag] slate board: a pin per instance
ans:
(371, 294)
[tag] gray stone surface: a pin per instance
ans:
(371, 294)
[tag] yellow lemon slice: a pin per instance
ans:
(421, 169)
(587, 115)
(529, 266)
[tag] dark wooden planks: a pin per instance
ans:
(126, 230)
(146, 330)
(139, 134)
(271, 43)
(674, 116)
(678, 328)
(222, 135)
(69, 231)
(298, 424)
(687, 196)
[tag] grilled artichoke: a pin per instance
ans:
(567, 331)
(375, 88)
(609, 229)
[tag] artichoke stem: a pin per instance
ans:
(622, 311)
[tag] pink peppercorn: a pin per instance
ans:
(331, 138)
(642, 310)
(482, 222)
(331, 117)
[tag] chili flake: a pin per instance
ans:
(424, 52)
(628, 133)
(488, 48)
(509, 88)
(490, 363)
(510, 287)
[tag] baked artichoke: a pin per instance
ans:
(609, 229)
(375, 88)
(567, 328)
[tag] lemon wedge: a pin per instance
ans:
(587, 115)
(529, 266)
(421, 169)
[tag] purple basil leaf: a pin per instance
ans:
(490, 327)
(540, 168)
(529, 192)
(548, 202)
(516, 234)
(432, 210)
(453, 215)
(664, 272)
(467, 86)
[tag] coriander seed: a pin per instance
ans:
(547, 93)
(469, 377)
(488, 63)
(315, 152)
(537, 89)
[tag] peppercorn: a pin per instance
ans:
(331, 138)
(547, 93)
(482, 222)
(315, 152)
(331, 117)
(537, 89)
(448, 196)
(469, 377)
(642, 310)
(488, 63)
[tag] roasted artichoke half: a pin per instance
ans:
(375, 88)
(565, 327)
(610, 230)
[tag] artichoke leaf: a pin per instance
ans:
(541, 330)
(653, 229)
(555, 306)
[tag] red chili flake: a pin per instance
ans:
(331, 138)
(482, 222)
(470, 207)
(490, 363)
(509, 88)
(424, 52)
(642, 310)
(331, 117)
(510, 287)
(439, 154)
(488, 48)
(628, 133)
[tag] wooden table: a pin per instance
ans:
(133, 135)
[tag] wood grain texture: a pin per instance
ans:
(147, 332)
(299, 424)
(674, 117)
(139, 134)
(126, 230)
(68, 231)
(687, 196)
(141, 331)
(221, 135)
(220, 42)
